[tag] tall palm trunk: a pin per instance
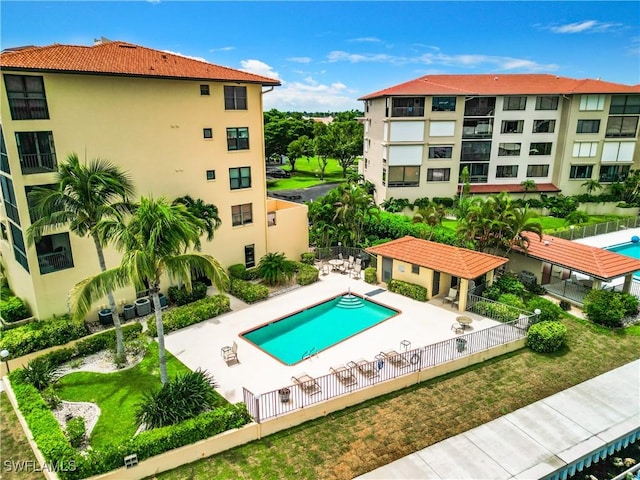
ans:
(162, 354)
(112, 303)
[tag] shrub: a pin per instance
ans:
(252, 274)
(492, 292)
(447, 202)
(549, 311)
(509, 283)
(248, 292)
(42, 334)
(308, 258)
(560, 206)
(535, 288)
(75, 431)
(371, 275)
(546, 336)
(13, 309)
(181, 398)
(497, 311)
(39, 372)
(511, 300)
(51, 397)
(604, 307)
(411, 290)
(564, 305)
(195, 312)
(275, 269)
(180, 295)
(629, 303)
(306, 274)
(237, 271)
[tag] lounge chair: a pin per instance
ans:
(344, 375)
(451, 297)
(356, 271)
(366, 369)
(395, 358)
(230, 354)
(308, 384)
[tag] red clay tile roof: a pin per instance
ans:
(596, 262)
(455, 261)
(509, 187)
(120, 58)
(500, 84)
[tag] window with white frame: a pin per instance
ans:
(537, 170)
(235, 98)
(512, 126)
(544, 126)
(585, 149)
(547, 102)
(506, 171)
(588, 126)
(540, 148)
(442, 129)
(438, 174)
(514, 103)
(241, 214)
(509, 149)
(440, 151)
(239, 178)
(407, 176)
(621, 127)
(618, 151)
(591, 102)
(625, 104)
(238, 138)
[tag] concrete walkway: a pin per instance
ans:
(535, 441)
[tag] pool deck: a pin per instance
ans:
(610, 239)
(199, 346)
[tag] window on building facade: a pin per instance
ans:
(613, 173)
(250, 256)
(238, 138)
(475, 151)
(621, 127)
(588, 126)
(37, 152)
(415, 269)
(509, 149)
(443, 104)
(514, 103)
(241, 214)
(384, 176)
(506, 171)
(26, 97)
(618, 151)
(592, 103)
(408, 176)
(540, 148)
(207, 133)
(235, 98)
(547, 102)
(407, 107)
(512, 126)
(211, 174)
(580, 172)
(9, 198)
(442, 129)
(438, 174)
(585, 149)
(31, 204)
(537, 170)
(477, 128)
(480, 107)
(239, 178)
(19, 249)
(4, 158)
(544, 126)
(441, 151)
(204, 90)
(478, 172)
(54, 253)
(625, 104)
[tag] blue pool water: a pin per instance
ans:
(317, 328)
(628, 250)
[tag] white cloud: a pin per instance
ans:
(259, 68)
(200, 59)
(366, 40)
(299, 59)
(311, 96)
(585, 26)
(461, 60)
(222, 49)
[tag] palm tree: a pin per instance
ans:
(353, 208)
(275, 269)
(528, 186)
(206, 212)
(431, 216)
(522, 220)
(155, 241)
(591, 185)
(83, 196)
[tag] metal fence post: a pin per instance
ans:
(257, 408)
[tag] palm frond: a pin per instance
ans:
(181, 266)
(93, 288)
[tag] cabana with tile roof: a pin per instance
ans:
(435, 266)
(556, 258)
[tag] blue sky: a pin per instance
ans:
(327, 54)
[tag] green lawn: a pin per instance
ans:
(307, 174)
(117, 394)
(356, 440)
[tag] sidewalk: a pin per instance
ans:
(541, 440)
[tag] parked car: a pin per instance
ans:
(277, 172)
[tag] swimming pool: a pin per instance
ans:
(629, 249)
(306, 332)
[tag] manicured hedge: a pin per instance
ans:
(607, 307)
(496, 311)
(411, 290)
(306, 274)
(248, 292)
(41, 334)
(549, 311)
(371, 275)
(56, 448)
(195, 312)
(13, 309)
(240, 272)
(308, 258)
(180, 296)
(547, 336)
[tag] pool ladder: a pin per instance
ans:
(309, 353)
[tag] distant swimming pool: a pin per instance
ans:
(628, 250)
(316, 328)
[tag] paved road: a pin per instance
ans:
(302, 195)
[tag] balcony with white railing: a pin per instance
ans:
(38, 163)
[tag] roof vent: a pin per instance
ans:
(495, 78)
(546, 243)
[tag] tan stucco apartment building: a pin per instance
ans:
(178, 126)
(557, 131)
